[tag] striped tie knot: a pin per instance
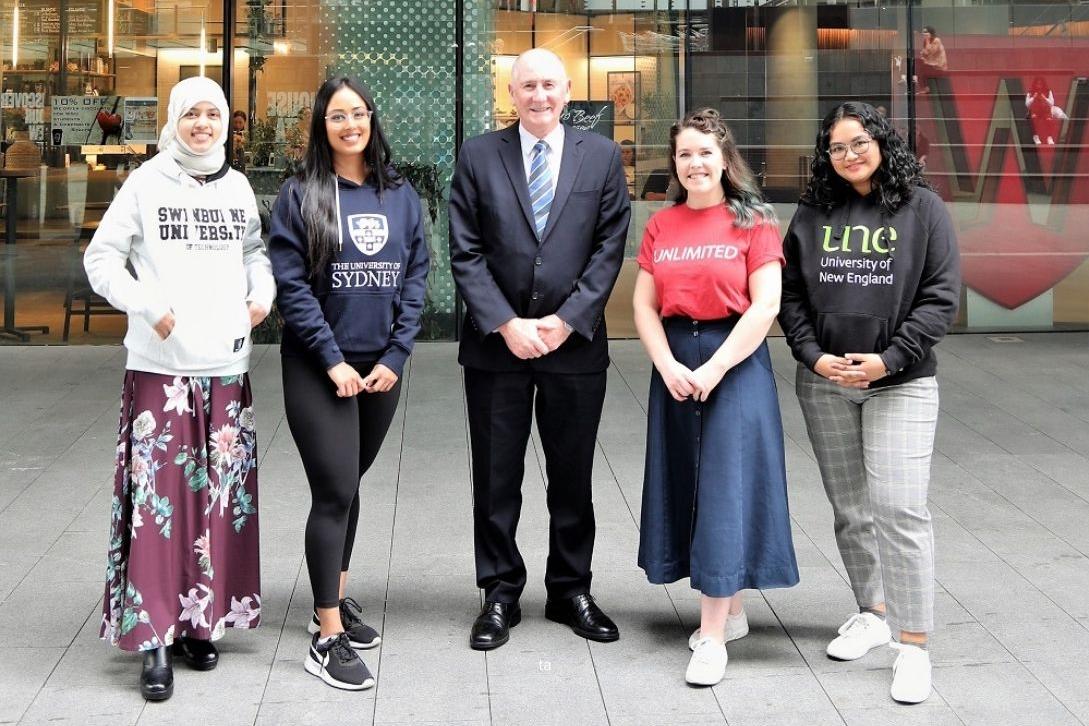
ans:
(540, 186)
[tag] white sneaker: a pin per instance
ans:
(858, 636)
(737, 626)
(708, 663)
(910, 674)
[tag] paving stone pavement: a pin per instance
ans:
(1009, 497)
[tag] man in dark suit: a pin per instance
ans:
(538, 218)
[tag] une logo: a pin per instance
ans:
(870, 242)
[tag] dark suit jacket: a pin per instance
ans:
(503, 272)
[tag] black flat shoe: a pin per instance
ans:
(581, 614)
(491, 628)
(200, 655)
(157, 678)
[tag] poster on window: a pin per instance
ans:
(79, 120)
(22, 112)
(141, 120)
(623, 91)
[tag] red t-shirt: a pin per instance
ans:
(701, 262)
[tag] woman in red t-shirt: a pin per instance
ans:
(714, 489)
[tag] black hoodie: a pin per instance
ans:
(858, 280)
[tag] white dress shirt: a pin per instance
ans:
(555, 144)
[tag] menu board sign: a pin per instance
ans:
(596, 116)
(42, 17)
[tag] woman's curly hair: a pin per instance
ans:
(742, 194)
(893, 182)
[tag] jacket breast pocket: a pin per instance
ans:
(586, 199)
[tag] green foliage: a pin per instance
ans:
(262, 140)
(425, 179)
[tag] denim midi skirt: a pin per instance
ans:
(714, 487)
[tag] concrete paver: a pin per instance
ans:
(1010, 499)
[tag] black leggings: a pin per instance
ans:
(338, 439)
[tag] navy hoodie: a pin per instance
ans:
(859, 280)
(367, 304)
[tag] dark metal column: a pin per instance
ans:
(229, 10)
(910, 51)
(459, 119)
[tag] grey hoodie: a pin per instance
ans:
(196, 250)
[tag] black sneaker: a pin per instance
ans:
(361, 635)
(337, 664)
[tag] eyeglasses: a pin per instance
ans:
(858, 147)
(339, 118)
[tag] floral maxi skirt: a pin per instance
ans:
(184, 556)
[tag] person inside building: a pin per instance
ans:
(183, 559)
(627, 158)
(1046, 116)
(238, 140)
(871, 284)
(932, 59)
(714, 489)
(659, 186)
(351, 261)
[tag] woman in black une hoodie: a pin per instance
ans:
(871, 284)
(350, 260)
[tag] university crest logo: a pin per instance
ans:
(369, 232)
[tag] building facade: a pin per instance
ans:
(998, 116)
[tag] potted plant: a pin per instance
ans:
(263, 142)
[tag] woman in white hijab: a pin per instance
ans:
(180, 251)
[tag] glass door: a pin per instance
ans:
(85, 86)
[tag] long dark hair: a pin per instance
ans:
(893, 181)
(319, 179)
(742, 194)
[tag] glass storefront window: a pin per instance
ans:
(1001, 127)
(84, 88)
(958, 79)
(626, 83)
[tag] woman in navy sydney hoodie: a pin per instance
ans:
(871, 284)
(350, 260)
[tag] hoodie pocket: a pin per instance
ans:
(201, 341)
(361, 322)
(840, 333)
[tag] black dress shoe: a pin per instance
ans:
(491, 628)
(157, 678)
(582, 615)
(200, 655)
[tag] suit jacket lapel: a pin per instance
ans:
(510, 149)
(569, 171)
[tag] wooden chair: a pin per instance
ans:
(80, 299)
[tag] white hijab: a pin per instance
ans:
(184, 96)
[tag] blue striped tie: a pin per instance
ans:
(540, 186)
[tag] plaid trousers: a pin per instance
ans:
(874, 447)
